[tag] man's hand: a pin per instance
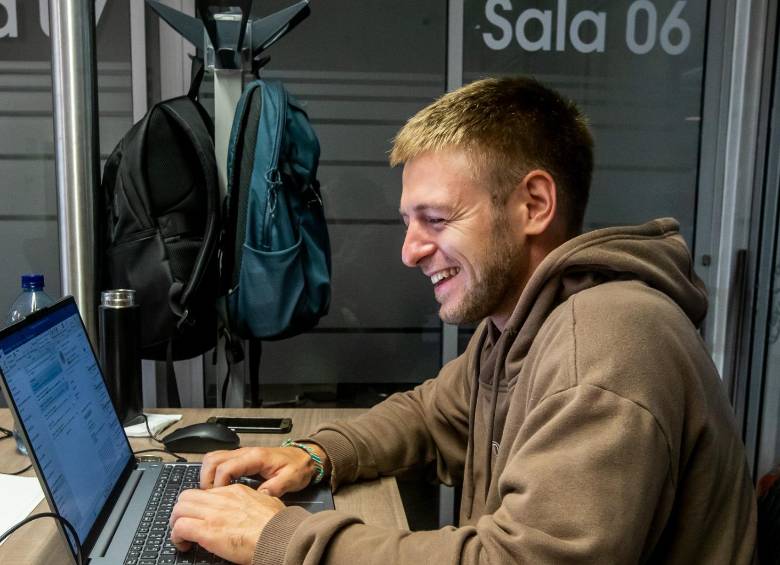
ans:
(285, 469)
(226, 521)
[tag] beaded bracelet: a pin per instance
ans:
(320, 468)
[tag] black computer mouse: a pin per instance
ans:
(201, 438)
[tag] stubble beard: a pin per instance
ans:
(496, 279)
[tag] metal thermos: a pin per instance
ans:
(119, 323)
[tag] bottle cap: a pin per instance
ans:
(119, 298)
(32, 281)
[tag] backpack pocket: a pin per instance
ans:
(264, 274)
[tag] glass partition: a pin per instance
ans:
(361, 69)
(29, 238)
(28, 207)
(636, 69)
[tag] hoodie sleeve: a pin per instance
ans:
(422, 428)
(560, 501)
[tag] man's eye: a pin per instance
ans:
(435, 220)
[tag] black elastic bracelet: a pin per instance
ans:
(68, 525)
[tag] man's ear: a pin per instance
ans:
(541, 201)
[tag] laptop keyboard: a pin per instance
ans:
(151, 543)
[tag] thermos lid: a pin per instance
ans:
(119, 298)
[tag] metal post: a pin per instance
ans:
(739, 158)
(228, 84)
(449, 334)
(138, 59)
(74, 94)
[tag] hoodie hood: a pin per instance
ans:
(653, 253)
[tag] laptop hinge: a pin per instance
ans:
(112, 522)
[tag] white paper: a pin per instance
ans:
(157, 423)
(20, 496)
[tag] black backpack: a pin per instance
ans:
(159, 212)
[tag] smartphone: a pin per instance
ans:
(248, 425)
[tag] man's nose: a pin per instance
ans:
(416, 246)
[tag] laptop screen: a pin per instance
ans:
(56, 385)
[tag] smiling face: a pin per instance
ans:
(472, 251)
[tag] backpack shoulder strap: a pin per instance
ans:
(196, 78)
(266, 178)
(183, 110)
(237, 130)
(131, 170)
(272, 120)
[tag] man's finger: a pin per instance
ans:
(187, 531)
(199, 504)
(193, 495)
(210, 462)
(248, 463)
(188, 508)
(231, 492)
(276, 486)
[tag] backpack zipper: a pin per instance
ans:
(273, 176)
(270, 208)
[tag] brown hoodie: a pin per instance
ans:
(593, 429)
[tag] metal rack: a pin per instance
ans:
(231, 46)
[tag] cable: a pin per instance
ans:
(64, 521)
(225, 386)
(179, 458)
(149, 430)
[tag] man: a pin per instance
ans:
(585, 421)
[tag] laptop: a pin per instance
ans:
(118, 506)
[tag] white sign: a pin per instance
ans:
(11, 27)
(566, 28)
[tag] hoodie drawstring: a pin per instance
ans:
(473, 410)
(499, 367)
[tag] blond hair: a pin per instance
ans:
(508, 127)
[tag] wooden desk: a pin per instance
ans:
(377, 502)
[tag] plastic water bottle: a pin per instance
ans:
(31, 299)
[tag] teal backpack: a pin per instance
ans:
(275, 262)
